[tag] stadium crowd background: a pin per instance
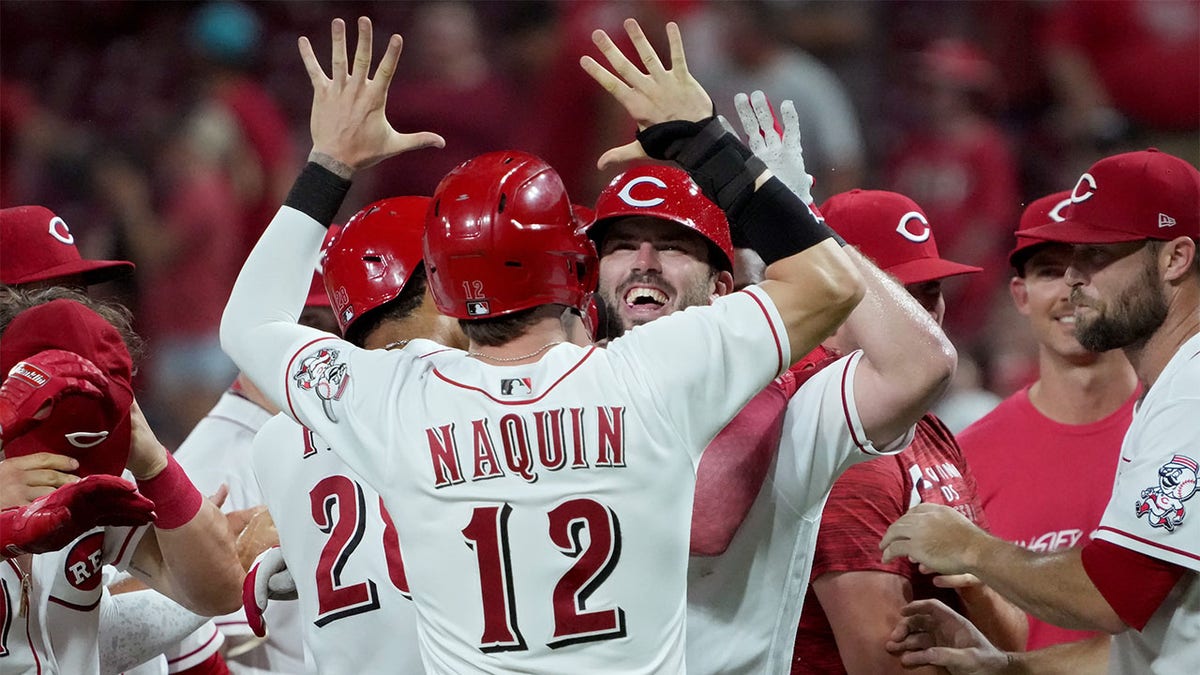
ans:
(167, 133)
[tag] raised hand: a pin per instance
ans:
(930, 633)
(782, 154)
(659, 94)
(349, 127)
(53, 521)
(35, 384)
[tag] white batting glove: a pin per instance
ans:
(783, 156)
(267, 579)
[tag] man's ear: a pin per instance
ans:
(722, 284)
(1020, 294)
(1177, 258)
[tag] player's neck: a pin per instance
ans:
(1182, 324)
(529, 347)
(1075, 393)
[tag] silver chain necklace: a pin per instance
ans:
(510, 359)
(395, 345)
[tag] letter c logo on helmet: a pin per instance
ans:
(1076, 197)
(915, 237)
(626, 192)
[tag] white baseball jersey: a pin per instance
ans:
(59, 631)
(1155, 510)
(543, 531)
(744, 605)
(343, 553)
(218, 451)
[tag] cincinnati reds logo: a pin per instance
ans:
(60, 231)
(1089, 184)
(626, 192)
(84, 561)
(1056, 212)
(86, 439)
(1163, 505)
(915, 237)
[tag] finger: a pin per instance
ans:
(611, 83)
(623, 66)
(387, 65)
(49, 478)
(766, 119)
(923, 607)
(316, 74)
(791, 128)
(642, 45)
(964, 580)
(896, 549)
(621, 154)
(34, 492)
(741, 103)
(45, 460)
(675, 40)
(362, 52)
(337, 64)
(219, 496)
(422, 139)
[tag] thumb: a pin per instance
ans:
(621, 154)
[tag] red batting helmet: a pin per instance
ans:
(670, 194)
(501, 236)
(96, 432)
(374, 256)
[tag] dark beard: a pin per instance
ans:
(1130, 319)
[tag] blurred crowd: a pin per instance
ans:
(168, 133)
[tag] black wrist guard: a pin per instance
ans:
(721, 165)
(318, 193)
(776, 224)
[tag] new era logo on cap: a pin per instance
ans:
(1129, 197)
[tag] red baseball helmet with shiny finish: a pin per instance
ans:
(374, 256)
(501, 236)
(670, 194)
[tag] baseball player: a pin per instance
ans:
(52, 601)
(1077, 411)
(478, 485)
(854, 599)
(664, 247)
(325, 512)
(1133, 221)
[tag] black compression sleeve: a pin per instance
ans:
(318, 193)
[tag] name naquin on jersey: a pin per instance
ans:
(526, 443)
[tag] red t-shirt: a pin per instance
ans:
(1042, 484)
(867, 499)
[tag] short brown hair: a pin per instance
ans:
(13, 301)
(501, 329)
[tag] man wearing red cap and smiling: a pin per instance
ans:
(854, 600)
(1133, 222)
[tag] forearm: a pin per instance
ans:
(201, 563)
(1051, 586)
(907, 365)
(1085, 657)
(139, 625)
(1003, 623)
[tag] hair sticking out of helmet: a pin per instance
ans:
(501, 236)
(670, 194)
(374, 256)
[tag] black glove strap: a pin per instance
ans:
(318, 193)
(777, 225)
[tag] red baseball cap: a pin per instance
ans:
(894, 232)
(1041, 211)
(94, 431)
(38, 246)
(1129, 197)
